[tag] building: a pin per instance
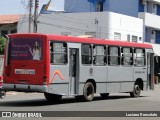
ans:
(8, 24)
(149, 11)
(103, 25)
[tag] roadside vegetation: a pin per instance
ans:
(2, 44)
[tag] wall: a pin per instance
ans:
(72, 6)
(126, 7)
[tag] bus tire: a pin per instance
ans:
(52, 97)
(2, 94)
(104, 95)
(88, 92)
(136, 91)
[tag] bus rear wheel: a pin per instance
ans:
(88, 92)
(52, 97)
(136, 91)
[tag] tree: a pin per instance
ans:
(2, 44)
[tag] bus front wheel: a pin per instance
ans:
(88, 92)
(136, 91)
(52, 97)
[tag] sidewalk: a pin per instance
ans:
(14, 93)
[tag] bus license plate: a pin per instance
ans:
(25, 71)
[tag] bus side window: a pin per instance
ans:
(58, 53)
(127, 56)
(99, 55)
(114, 56)
(86, 54)
(139, 57)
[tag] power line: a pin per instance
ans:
(89, 25)
(66, 20)
(59, 26)
(79, 30)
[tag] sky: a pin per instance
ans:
(20, 6)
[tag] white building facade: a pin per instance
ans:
(103, 25)
(149, 11)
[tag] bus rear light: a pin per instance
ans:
(44, 79)
(44, 83)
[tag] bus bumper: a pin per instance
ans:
(25, 88)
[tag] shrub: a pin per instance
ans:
(2, 44)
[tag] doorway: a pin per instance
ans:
(74, 71)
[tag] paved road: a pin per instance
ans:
(149, 101)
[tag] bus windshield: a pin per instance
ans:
(25, 49)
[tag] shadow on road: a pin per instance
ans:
(44, 102)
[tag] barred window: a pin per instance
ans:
(134, 38)
(58, 53)
(127, 56)
(117, 36)
(139, 57)
(114, 56)
(99, 55)
(86, 54)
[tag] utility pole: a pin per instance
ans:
(97, 32)
(30, 15)
(36, 16)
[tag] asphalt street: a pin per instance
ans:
(148, 101)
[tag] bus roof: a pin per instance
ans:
(83, 40)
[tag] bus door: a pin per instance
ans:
(73, 70)
(150, 71)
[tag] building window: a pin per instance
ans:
(158, 37)
(114, 56)
(141, 5)
(99, 6)
(139, 57)
(134, 38)
(58, 53)
(4, 33)
(154, 10)
(14, 31)
(158, 10)
(99, 55)
(86, 54)
(140, 39)
(153, 36)
(128, 38)
(127, 56)
(117, 36)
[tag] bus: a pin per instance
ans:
(81, 67)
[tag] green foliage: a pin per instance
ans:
(2, 44)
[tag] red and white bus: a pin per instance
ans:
(70, 66)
